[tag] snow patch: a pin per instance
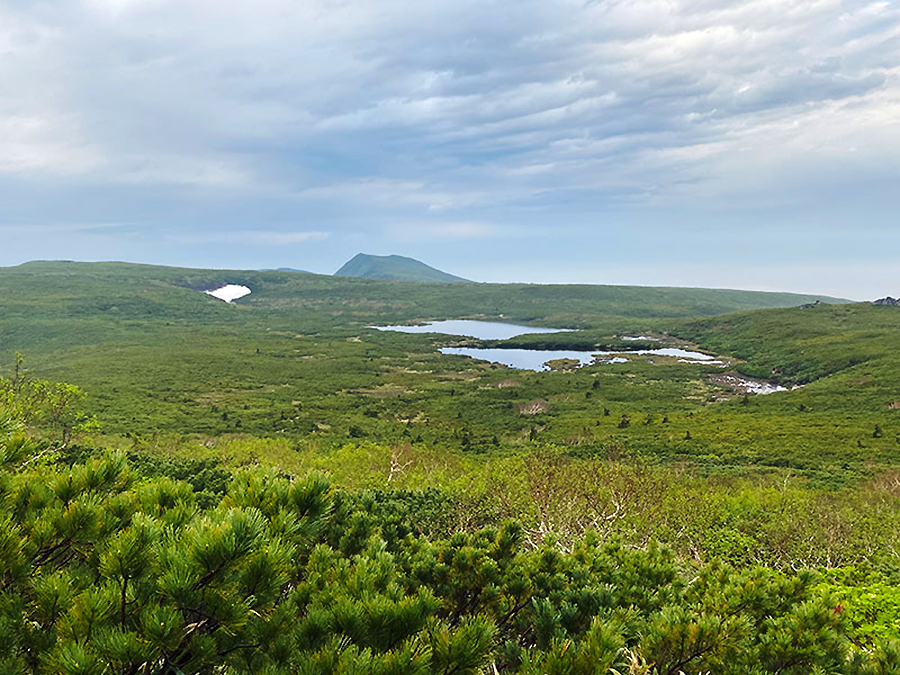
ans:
(229, 292)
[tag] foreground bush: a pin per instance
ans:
(106, 572)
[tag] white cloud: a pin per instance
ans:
(392, 193)
(42, 144)
(446, 231)
(251, 237)
(59, 228)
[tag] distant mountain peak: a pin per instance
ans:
(285, 269)
(395, 268)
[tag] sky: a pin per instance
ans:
(751, 144)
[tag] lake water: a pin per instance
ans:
(534, 359)
(523, 359)
(483, 330)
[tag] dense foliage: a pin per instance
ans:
(108, 572)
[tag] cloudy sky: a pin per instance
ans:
(750, 144)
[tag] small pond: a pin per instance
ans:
(523, 359)
(483, 330)
(534, 359)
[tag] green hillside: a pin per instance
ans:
(394, 267)
(296, 358)
(800, 346)
(84, 303)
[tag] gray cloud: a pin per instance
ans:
(461, 118)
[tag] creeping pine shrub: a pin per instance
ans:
(103, 570)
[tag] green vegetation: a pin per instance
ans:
(295, 360)
(109, 570)
(168, 512)
(394, 267)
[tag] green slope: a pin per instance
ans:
(395, 268)
(111, 294)
(798, 347)
(295, 359)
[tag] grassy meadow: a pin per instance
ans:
(296, 364)
(643, 515)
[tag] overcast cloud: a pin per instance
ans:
(693, 142)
